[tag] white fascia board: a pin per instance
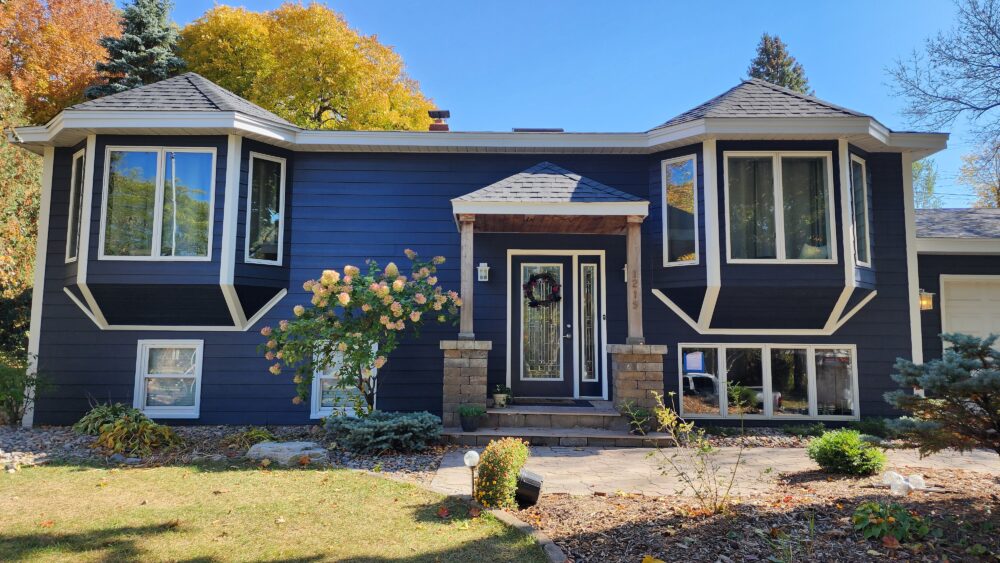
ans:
(471, 139)
(958, 245)
(640, 208)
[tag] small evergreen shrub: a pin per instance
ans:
(499, 466)
(804, 430)
(243, 440)
(104, 413)
(843, 451)
(135, 436)
(875, 426)
(384, 431)
(876, 520)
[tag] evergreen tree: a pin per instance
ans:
(145, 51)
(775, 65)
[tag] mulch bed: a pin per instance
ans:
(806, 518)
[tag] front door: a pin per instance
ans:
(556, 326)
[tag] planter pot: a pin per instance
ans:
(469, 423)
(500, 400)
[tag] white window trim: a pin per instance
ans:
(779, 216)
(158, 204)
(72, 213)
(854, 226)
(562, 341)
(316, 408)
(281, 210)
(765, 349)
(663, 197)
(141, 363)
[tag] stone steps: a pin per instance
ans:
(556, 417)
(570, 437)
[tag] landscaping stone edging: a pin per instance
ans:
(552, 551)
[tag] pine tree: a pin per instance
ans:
(145, 51)
(775, 65)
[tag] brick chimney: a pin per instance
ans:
(439, 119)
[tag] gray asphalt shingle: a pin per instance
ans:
(758, 98)
(547, 182)
(958, 223)
(186, 92)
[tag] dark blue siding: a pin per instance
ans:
(931, 268)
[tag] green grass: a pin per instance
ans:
(206, 513)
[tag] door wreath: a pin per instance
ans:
(532, 284)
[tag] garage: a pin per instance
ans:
(970, 304)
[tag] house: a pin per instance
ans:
(764, 242)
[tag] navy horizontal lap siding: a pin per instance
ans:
(931, 268)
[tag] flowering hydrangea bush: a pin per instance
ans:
(354, 323)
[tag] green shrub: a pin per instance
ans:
(383, 431)
(471, 410)
(243, 440)
(14, 380)
(640, 419)
(874, 426)
(803, 430)
(876, 520)
(843, 451)
(135, 436)
(499, 466)
(104, 413)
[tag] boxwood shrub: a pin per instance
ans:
(385, 431)
(844, 451)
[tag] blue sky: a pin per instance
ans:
(630, 65)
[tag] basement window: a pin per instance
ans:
(168, 378)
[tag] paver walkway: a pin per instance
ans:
(584, 471)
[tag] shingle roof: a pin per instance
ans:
(546, 182)
(187, 92)
(758, 98)
(958, 223)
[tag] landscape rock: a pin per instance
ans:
(289, 454)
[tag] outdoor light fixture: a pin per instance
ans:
(471, 460)
(926, 301)
(483, 272)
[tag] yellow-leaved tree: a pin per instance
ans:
(305, 64)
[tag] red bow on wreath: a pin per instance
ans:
(532, 283)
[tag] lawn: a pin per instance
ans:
(223, 513)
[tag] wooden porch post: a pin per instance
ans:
(633, 242)
(465, 331)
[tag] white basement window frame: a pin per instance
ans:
(724, 412)
(664, 167)
(155, 245)
(76, 189)
(247, 258)
(143, 373)
(862, 244)
(779, 216)
(330, 375)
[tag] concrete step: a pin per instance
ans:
(575, 437)
(555, 417)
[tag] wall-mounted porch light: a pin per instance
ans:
(926, 301)
(483, 272)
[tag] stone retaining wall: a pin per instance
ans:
(464, 376)
(637, 371)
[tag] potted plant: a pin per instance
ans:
(470, 415)
(501, 396)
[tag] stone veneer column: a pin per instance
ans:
(464, 376)
(637, 371)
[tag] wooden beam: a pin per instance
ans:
(633, 243)
(465, 331)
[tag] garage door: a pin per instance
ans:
(971, 306)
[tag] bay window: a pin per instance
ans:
(680, 211)
(168, 378)
(859, 202)
(767, 381)
(158, 203)
(265, 209)
(75, 207)
(779, 207)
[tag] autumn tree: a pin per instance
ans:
(981, 172)
(48, 49)
(925, 176)
(774, 64)
(304, 63)
(143, 53)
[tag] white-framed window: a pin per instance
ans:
(776, 381)
(780, 207)
(168, 378)
(327, 398)
(158, 203)
(859, 204)
(679, 178)
(265, 223)
(75, 206)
